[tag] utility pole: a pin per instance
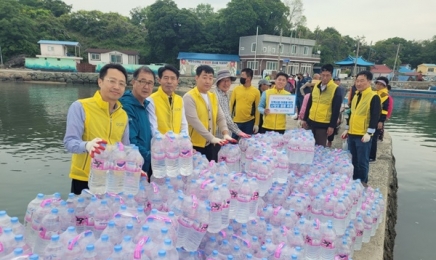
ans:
(357, 56)
(256, 69)
(396, 57)
(280, 44)
(1, 56)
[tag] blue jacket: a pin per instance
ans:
(139, 126)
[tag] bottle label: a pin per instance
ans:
(200, 227)
(327, 244)
(186, 222)
(359, 233)
(1, 247)
(309, 240)
(120, 165)
(44, 234)
(243, 197)
(341, 257)
(374, 220)
(215, 206)
(90, 222)
(98, 164)
(233, 194)
(186, 153)
(226, 204)
(81, 221)
(255, 196)
(100, 224)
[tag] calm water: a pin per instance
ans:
(32, 157)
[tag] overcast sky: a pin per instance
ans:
(375, 19)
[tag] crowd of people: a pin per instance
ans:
(215, 116)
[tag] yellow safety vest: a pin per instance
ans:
(98, 123)
(321, 109)
(169, 117)
(384, 95)
(360, 114)
(203, 115)
(274, 121)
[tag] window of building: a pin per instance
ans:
(252, 65)
(294, 49)
(273, 50)
(294, 68)
(95, 56)
(116, 59)
(306, 50)
(253, 47)
(265, 49)
(430, 69)
(50, 48)
(306, 68)
(271, 65)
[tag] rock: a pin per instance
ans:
(16, 61)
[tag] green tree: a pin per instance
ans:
(56, 7)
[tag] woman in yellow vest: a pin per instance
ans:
(165, 109)
(273, 122)
(363, 120)
(96, 120)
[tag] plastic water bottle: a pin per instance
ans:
(172, 152)
(115, 175)
(67, 236)
(90, 253)
(328, 247)
(50, 225)
(102, 216)
(118, 253)
(31, 208)
(132, 175)
(162, 255)
(368, 223)
(215, 199)
(339, 217)
(185, 156)
(7, 242)
(343, 250)
(281, 170)
(19, 242)
(112, 232)
(158, 157)
(242, 211)
(104, 247)
(54, 248)
(313, 242)
(100, 164)
(17, 227)
(17, 253)
(196, 234)
(360, 229)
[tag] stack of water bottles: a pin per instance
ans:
(116, 169)
(254, 203)
(171, 155)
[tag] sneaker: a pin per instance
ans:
(295, 117)
(371, 160)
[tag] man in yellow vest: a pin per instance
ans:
(381, 84)
(165, 109)
(362, 123)
(273, 122)
(323, 107)
(94, 121)
(204, 115)
(243, 104)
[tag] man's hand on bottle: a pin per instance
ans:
(218, 141)
(95, 146)
(243, 135)
(228, 138)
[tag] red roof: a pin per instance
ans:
(108, 50)
(380, 69)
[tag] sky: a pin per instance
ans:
(374, 19)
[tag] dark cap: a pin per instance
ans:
(336, 79)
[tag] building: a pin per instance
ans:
(263, 52)
(98, 56)
(381, 70)
(427, 69)
(190, 61)
(56, 56)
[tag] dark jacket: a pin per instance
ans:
(139, 126)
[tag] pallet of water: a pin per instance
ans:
(218, 211)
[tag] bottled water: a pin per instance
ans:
(328, 247)
(112, 232)
(158, 157)
(102, 216)
(185, 156)
(90, 253)
(17, 227)
(339, 217)
(118, 253)
(216, 211)
(50, 225)
(19, 242)
(172, 152)
(199, 228)
(115, 175)
(282, 168)
(7, 242)
(225, 196)
(242, 211)
(368, 222)
(343, 251)
(17, 253)
(67, 236)
(31, 208)
(100, 164)
(313, 242)
(54, 249)
(132, 175)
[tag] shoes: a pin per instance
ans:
(295, 117)
(365, 185)
(372, 160)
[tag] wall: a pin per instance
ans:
(58, 50)
(53, 64)
(130, 68)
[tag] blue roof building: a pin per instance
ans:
(189, 62)
(350, 61)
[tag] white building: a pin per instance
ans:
(59, 50)
(98, 56)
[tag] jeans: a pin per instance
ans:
(246, 127)
(360, 157)
(299, 100)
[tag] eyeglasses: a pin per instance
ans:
(114, 82)
(145, 83)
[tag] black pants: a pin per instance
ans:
(374, 140)
(320, 135)
(264, 130)
(210, 151)
(77, 186)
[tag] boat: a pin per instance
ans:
(414, 93)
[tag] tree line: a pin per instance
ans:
(161, 30)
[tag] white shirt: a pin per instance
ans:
(153, 118)
(206, 98)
